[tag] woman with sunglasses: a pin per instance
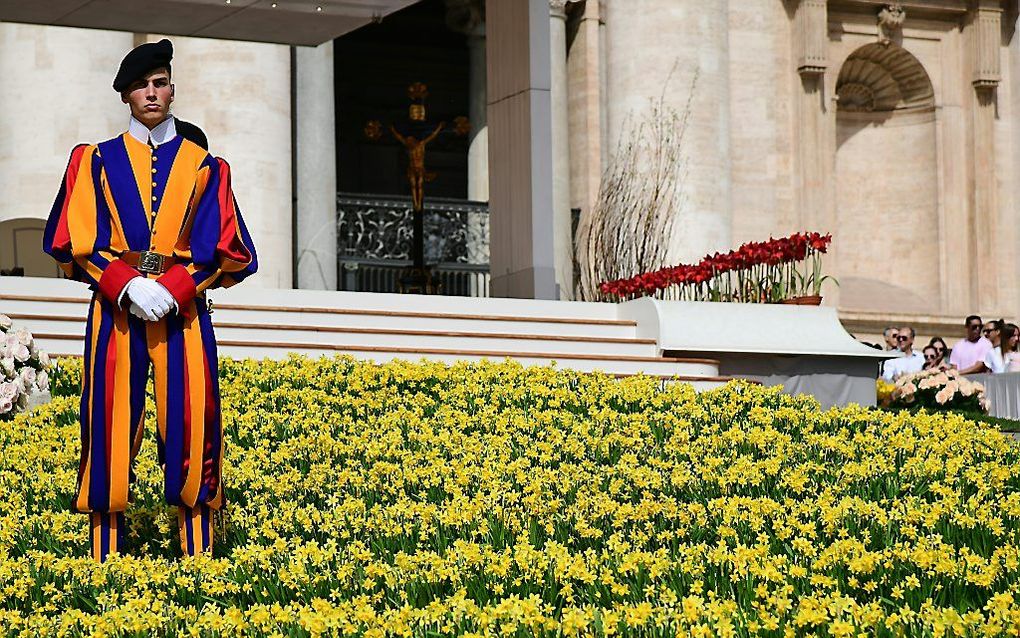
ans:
(1011, 348)
(993, 360)
(940, 346)
(933, 358)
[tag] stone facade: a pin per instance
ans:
(889, 125)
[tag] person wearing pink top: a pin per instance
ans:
(971, 350)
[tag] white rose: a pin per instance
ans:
(5, 322)
(27, 377)
(23, 336)
(21, 353)
(44, 359)
(42, 381)
(7, 366)
(8, 391)
(6, 405)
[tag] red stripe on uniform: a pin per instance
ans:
(62, 236)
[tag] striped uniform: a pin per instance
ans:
(123, 195)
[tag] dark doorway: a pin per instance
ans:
(374, 66)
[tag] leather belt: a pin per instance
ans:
(148, 261)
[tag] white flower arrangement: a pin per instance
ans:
(939, 390)
(24, 368)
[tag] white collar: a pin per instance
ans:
(161, 134)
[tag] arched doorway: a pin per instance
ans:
(21, 248)
(887, 196)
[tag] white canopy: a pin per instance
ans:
(296, 22)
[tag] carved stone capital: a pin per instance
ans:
(811, 37)
(558, 9)
(984, 27)
(466, 16)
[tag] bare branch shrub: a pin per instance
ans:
(640, 197)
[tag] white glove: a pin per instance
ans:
(150, 300)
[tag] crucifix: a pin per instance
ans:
(418, 134)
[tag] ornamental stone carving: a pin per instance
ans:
(890, 21)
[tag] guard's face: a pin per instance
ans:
(150, 97)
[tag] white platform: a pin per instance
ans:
(255, 322)
(803, 348)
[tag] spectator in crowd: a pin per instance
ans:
(1011, 348)
(992, 361)
(890, 334)
(943, 349)
(969, 351)
(933, 358)
(911, 361)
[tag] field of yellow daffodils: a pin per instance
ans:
(492, 500)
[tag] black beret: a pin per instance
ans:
(190, 132)
(142, 59)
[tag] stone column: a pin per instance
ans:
(563, 238)
(478, 151)
(983, 29)
(584, 77)
(39, 124)
(520, 151)
(316, 168)
(468, 17)
(251, 129)
(814, 149)
(653, 48)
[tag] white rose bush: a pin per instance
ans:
(939, 390)
(24, 369)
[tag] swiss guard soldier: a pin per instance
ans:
(148, 220)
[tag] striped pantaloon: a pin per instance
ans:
(119, 349)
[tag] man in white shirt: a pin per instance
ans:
(911, 361)
(969, 352)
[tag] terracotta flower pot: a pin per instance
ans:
(806, 300)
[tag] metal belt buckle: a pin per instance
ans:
(152, 262)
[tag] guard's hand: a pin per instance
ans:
(153, 301)
(145, 315)
(169, 298)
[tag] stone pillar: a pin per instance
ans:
(316, 168)
(563, 237)
(251, 129)
(983, 29)
(520, 151)
(585, 96)
(39, 124)
(648, 44)
(811, 42)
(478, 151)
(468, 17)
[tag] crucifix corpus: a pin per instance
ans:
(418, 134)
